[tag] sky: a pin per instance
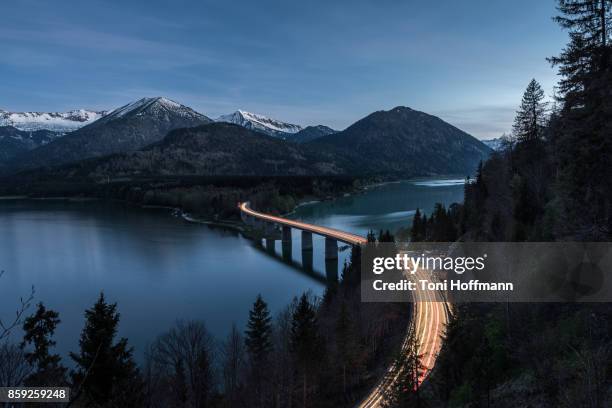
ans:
(311, 62)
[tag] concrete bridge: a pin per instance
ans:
(278, 227)
(430, 314)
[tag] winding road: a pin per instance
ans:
(429, 318)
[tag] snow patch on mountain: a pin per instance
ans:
(55, 121)
(260, 123)
(153, 106)
(499, 143)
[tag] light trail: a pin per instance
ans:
(429, 314)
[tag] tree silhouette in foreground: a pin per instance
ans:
(39, 329)
(258, 341)
(402, 382)
(105, 371)
(305, 343)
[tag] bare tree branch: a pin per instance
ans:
(6, 327)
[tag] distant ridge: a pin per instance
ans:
(311, 133)
(55, 121)
(14, 141)
(125, 129)
(261, 123)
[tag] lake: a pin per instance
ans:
(160, 268)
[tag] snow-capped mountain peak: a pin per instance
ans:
(155, 106)
(260, 123)
(55, 121)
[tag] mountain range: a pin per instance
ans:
(213, 149)
(61, 122)
(160, 136)
(125, 129)
(260, 123)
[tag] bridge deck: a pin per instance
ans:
(338, 235)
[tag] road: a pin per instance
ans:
(429, 319)
(430, 311)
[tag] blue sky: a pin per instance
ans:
(307, 62)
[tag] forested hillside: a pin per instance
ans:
(553, 182)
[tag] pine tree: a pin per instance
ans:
(404, 379)
(39, 329)
(305, 341)
(530, 118)
(415, 232)
(105, 370)
(583, 130)
(584, 64)
(258, 336)
(345, 344)
(258, 341)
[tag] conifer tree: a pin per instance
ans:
(583, 130)
(258, 336)
(258, 341)
(39, 330)
(404, 378)
(584, 64)
(530, 118)
(105, 369)
(415, 232)
(347, 347)
(305, 342)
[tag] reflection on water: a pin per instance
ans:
(389, 206)
(159, 268)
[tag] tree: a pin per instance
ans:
(530, 118)
(258, 335)
(183, 357)
(105, 369)
(385, 237)
(305, 342)
(14, 367)
(583, 141)
(6, 327)
(404, 379)
(258, 341)
(584, 64)
(416, 233)
(39, 329)
(347, 348)
(233, 364)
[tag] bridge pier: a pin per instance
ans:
(306, 241)
(307, 259)
(331, 248)
(287, 249)
(286, 234)
(270, 245)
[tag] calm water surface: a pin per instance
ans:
(159, 268)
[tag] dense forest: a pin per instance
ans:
(552, 181)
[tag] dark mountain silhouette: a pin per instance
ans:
(14, 141)
(407, 142)
(212, 149)
(311, 133)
